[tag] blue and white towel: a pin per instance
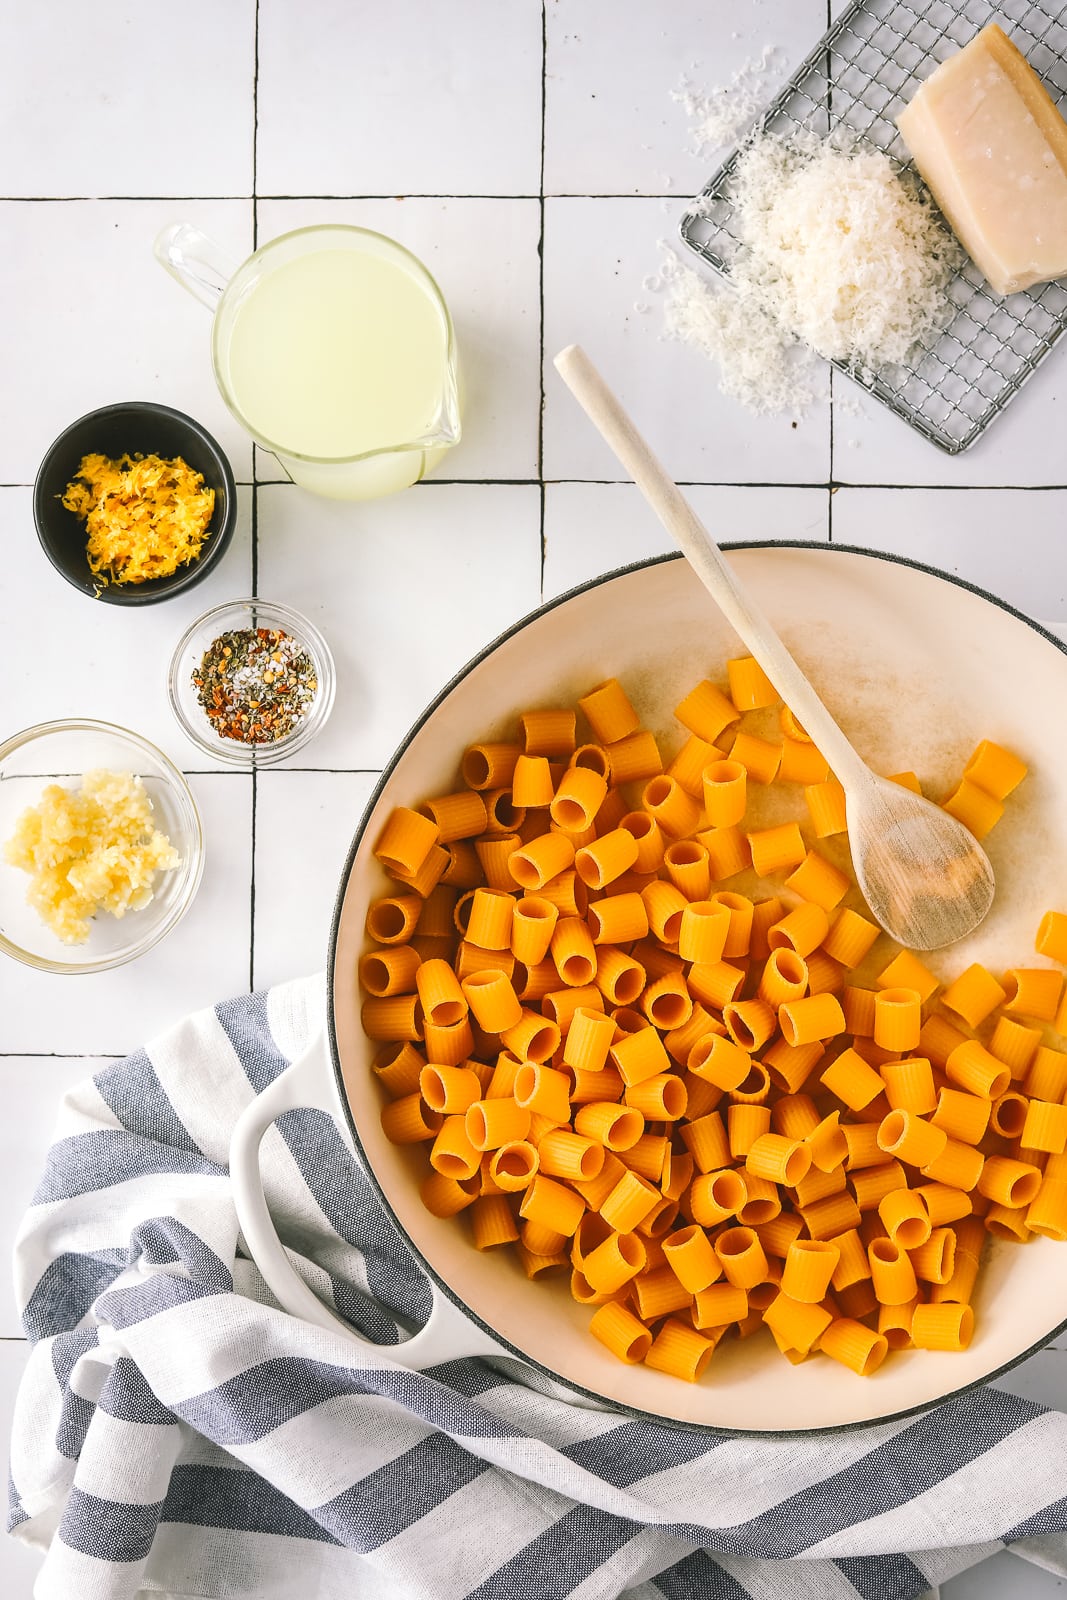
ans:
(176, 1433)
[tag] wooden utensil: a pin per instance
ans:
(924, 876)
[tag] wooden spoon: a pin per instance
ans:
(923, 874)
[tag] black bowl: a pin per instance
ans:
(136, 427)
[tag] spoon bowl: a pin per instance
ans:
(925, 877)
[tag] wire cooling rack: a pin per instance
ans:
(859, 76)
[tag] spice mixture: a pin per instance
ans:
(145, 517)
(255, 684)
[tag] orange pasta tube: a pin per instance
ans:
(664, 905)
(588, 1039)
(449, 1089)
(532, 926)
(616, 1127)
(803, 929)
(750, 687)
(686, 862)
(850, 938)
(629, 1202)
(971, 805)
(1033, 991)
(490, 919)
(835, 1214)
(972, 1068)
(492, 1223)
(408, 1120)
(860, 1349)
(715, 983)
(809, 1266)
(1008, 1115)
(706, 711)
(897, 1019)
(667, 1002)
(452, 1153)
(691, 1257)
(909, 1085)
(775, 849)
(607, 858)
(644, 830)
(1015, 1044)
(397, 1016)
(826, 807)
(390, 971)
(661, 1098)
(687, 768)
(1047, 1078)
(458, 816)
(908, 972)
(801, 763)
(569, 1155)
(635, 758)
(742, 1257)
(541, 860)
(608, 711)
(405, 842)
(790, 1066)
(657, 1292)
(392, 919)
(533, 1038)
(892, 1273)
(804, 1021)
(1009, 1183)
(443, 1000)
(759, 757)
(1045, 1127)
(640, 1055)
(531, 784)
(573, 952)
(513, 1166)
(1047, 1212)
(702, 931)
(905, 1218)
(750, 1023)
(445, 1197)
(397, 1067)
(942, 1327)
(621, 1332)
(619, 977)
(543, 1092)
(552, 1204)
(489, 766)
(818, 880)
(795, 1325)
(548, 733)
(962, 1116)
(784, 978)
(680, 1351)
(674, 811)
(492, 1000)
(973, 995)
(615, 1262)
(745, 1124)
(728, 852)
(959, 1166)
(852, 1080)
(777, 1158)
(765, 913)
(492, 1123)
(706, 1140)
(1051, 938)
(995, 769)
(724, 786)
(618, 919)
(579, 795)
(910, 1139)
(935, 1260)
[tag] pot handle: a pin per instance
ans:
(446, 1336)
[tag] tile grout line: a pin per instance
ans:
(541, 294)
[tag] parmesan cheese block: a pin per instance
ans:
(992, 148)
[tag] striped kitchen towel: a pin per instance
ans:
(176, 1433)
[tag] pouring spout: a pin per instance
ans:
(195, 260)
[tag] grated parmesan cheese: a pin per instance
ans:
(720, 116)
(837, 257)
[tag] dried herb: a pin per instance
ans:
(255, 684)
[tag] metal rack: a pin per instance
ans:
(859, 76)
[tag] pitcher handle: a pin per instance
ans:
(195, 260)
(447, 1335)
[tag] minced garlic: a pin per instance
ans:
(145, 516)
(90, 850)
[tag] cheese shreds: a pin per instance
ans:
(837, 257)
(145, 517)
(720, 116)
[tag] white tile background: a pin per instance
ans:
(532, 154)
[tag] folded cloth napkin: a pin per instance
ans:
(177, 1433)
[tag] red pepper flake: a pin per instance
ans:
(261, 670)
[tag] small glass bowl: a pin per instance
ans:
(62, 752)
(194, 643)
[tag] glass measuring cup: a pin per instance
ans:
(334, 348)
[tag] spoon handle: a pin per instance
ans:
(706, 559)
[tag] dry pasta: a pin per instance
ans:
(680, 1090)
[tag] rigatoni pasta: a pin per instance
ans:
(637, 1067)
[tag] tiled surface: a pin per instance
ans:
(447, 128)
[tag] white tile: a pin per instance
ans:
(407, 98)
(305, 822)
(597, 255)
(19, 1564)
(611, 124)
(107, 99)
(592, 528)
(871, 445)
(483, 254)
(203, 960)
(406, 590)
(1009, 542)
(93, 318)
(31, 1088)
(104, 661)
(1002, 1576)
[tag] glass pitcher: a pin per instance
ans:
(334, 349)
